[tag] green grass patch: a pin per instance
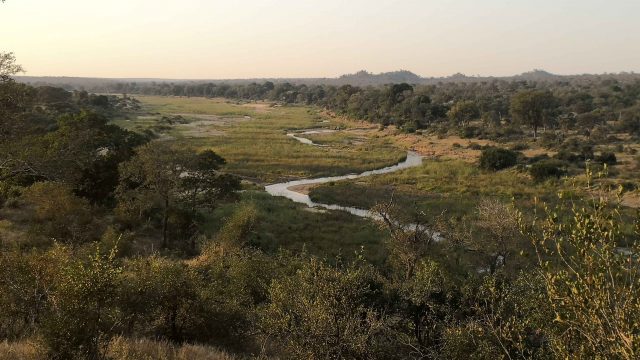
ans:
(287, 225)
(436, 186)
(255, 144)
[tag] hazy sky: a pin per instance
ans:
(216, 39)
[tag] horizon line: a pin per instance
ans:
(479, 76)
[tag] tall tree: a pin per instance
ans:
(534, 108)
(8, 66)
(166, 178)
(152, 178)
(463, 112)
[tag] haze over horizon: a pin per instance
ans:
(195, 39)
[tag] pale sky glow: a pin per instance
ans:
(217, 39)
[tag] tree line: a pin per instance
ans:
(582, 104)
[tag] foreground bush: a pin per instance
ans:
(323, 312)
(591, 284)
(497, 158)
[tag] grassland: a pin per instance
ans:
(252, 138)
(283, 224)
(454, 186)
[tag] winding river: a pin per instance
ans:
(310, 132)
(283, 189)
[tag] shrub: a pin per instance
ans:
(568, 156)
(575, 144)
(497, 158)
(83, 311)
(587, 152)
(608, 158)
(537, 158)
(548, 168)
(325, 313)
(549, 140)
(59, 214)
(469, 132)
(409, 128)
(519, 147)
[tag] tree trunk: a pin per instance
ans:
(165, 221)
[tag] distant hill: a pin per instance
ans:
(364, 78)
(361, 78)
(537, 75)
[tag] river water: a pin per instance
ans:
(282, 189)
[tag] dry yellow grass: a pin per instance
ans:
(144, 349)
(22, 350)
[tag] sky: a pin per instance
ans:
(233, 39)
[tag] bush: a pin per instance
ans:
(608, 158)
(629, 150)
(575, 144)
(568, 156)
(59, 214)
(519, 147)
(549, 140)
(323, 312)
(497, 158)
(469, 132)
(548, 168)
(409, 128)
(537, 158)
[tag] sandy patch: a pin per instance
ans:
(303, 189)
(631, 199)
(259, 107)
(433, 147)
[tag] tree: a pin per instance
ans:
(152, 178)
(533, 107)
(500, 236)
(463, 111)
(8, 66)
(206, 186)
(411, 236)
(630, 121)
(161, 176)
(85, 152)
